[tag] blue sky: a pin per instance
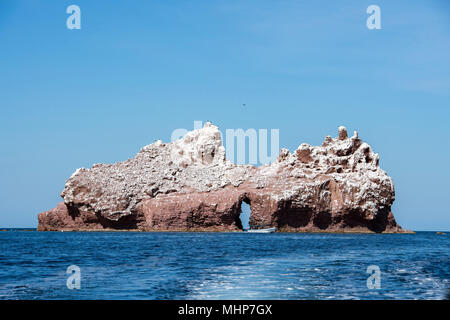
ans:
(137, 70)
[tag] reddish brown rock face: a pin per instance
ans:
(187, 185)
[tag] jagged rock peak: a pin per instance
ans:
(342, 133)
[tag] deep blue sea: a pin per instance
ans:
(128, 265)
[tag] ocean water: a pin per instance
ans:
(135, 265)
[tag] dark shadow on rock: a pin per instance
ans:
(356, 218)
(290, 216)
(73, 211)
(322, 220)
(380, 222)
(125, 222)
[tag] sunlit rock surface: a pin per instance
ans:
(188, 185)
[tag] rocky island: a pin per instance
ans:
(188, 185)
